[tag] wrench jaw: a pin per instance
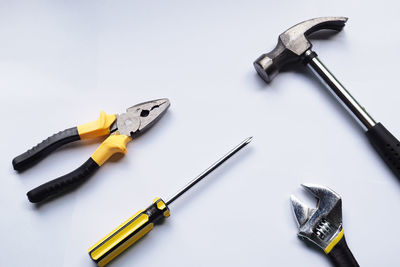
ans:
(324, 223)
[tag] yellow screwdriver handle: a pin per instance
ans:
(128, 233)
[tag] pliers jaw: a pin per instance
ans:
(140, 117)
(320, 225)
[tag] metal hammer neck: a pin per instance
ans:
(338, 90)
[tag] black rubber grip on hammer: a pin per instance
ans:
(387, 146)
(41, 150)
(341, 255)
(64, 183)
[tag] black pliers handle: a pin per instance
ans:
(98, 128)
(122, 127)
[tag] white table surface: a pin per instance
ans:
(61, 62)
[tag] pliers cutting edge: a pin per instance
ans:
(122, 129)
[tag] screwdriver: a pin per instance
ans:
(143, 221)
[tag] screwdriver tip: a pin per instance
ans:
(248, 140)
(210, 169)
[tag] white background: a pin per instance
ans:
(61, 62)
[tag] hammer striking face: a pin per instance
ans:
(293, 46)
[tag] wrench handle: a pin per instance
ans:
(341, 255)
(387, 146)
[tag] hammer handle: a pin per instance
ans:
(341, 255)
(387, 146)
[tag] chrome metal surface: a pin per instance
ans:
(209, 170)
(140, 117)
(292, 44)
(322, 224)
(338, 90)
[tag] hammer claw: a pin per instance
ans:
(310, 26)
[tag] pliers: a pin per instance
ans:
(323, 225)
(121, 129)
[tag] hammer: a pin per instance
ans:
(293, 47)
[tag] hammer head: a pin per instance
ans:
(292, 44)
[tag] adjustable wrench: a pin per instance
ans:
(323, 225)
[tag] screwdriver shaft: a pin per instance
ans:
(209, 170)
(143, 221)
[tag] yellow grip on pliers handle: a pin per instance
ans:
(115, 143)
(99, 127)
